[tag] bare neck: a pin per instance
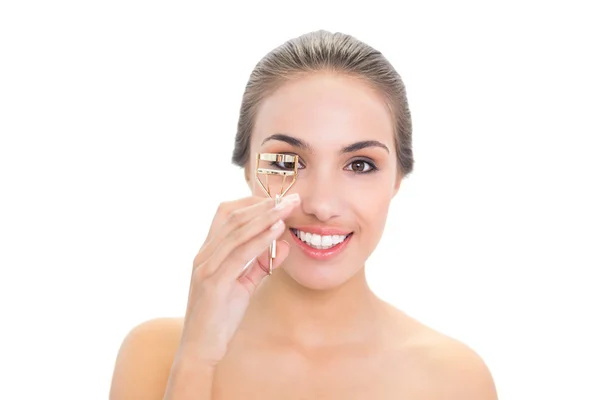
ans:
(285, 311)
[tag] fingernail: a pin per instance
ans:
(292, 197)
(276, 225)
(287, 201)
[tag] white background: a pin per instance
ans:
(116, 115)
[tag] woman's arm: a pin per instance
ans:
(190, 379)
(160, 360)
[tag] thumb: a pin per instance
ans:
(259, 267)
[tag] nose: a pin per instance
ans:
(321, 197)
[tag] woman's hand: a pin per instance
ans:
(219, 294)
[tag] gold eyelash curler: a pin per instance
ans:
(263, 162)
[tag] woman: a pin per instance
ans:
(313, 328)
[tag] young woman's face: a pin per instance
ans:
(342, 132)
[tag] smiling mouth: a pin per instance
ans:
(320, 242)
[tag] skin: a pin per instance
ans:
(314, 329)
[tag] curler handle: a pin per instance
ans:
(273, 247)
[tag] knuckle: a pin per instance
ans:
(199, 258)
(224, 208)
(235, 218)
(235, 236)
(199, 276)
(205, 286)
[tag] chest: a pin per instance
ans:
(294, 376)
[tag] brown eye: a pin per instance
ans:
(358, 166)
(362, 166)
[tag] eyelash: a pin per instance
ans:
(372, 166)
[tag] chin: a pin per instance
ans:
(318, 275)
(323, 268)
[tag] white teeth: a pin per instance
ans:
(318, 241)
(315, 240)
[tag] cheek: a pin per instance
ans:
(373, 203)
(374, 209)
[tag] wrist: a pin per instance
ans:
(190, 378)
(190, 357)
(186, 363)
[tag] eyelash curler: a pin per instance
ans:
(276, 174)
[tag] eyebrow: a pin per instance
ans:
(301, 144)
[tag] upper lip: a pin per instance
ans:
(323, 230)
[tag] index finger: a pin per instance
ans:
(225, 209)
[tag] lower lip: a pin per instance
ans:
(321, 254)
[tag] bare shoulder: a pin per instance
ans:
(144, 359)
(446, 368)
(459, 372)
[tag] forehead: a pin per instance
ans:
(325, 110)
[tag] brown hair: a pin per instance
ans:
(326, 51)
